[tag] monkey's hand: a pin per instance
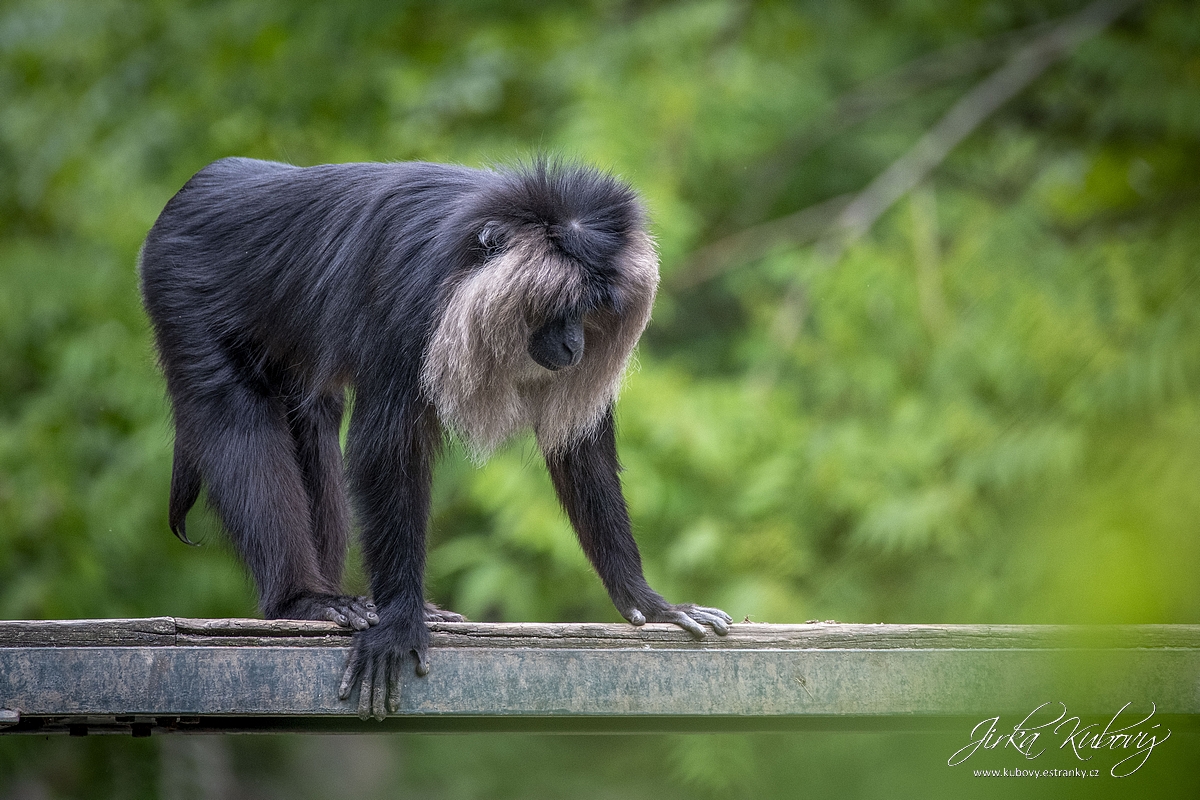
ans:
(377, 662)
(689, 616)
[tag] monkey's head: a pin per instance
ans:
(537, 328)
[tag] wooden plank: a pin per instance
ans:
(259, 633)
(248, 632)
(182, 674)
(151, 631)
(821, 635)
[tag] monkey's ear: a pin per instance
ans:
(491, 239)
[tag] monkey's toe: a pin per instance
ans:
(358, 613)
(435, 614)
(349, 611)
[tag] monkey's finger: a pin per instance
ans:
(335, 616)
(394, 675)
(422, 662)
(716, 612)
(358, 622)
(379, 692)
(706, 616)
(637, 618)
(690, 625)
(715, 617)
(351, 676)
(364, 693)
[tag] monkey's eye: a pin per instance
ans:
(491, 240)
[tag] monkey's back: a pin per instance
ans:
(277, 263)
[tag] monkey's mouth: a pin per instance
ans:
(556, 360)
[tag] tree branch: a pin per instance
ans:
(844, 219)
(856, 219)
(925, 72)
(968, 113)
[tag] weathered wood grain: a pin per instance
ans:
(186, 674)
(152, 631)
(818, 635)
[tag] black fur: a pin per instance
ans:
(272, 288)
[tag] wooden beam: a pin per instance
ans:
(166, 674)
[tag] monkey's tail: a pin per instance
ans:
(185, 488)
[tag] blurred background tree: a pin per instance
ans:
(981, 407)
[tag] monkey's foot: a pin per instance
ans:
(688, 616)
(377, 662)
(349, 611)
(435, 614)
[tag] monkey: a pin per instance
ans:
(447, 301)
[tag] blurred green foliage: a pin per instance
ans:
(988, 413)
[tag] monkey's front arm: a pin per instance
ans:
(392, 444)
(589, 488)
(392, 494)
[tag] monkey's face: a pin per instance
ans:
(526, 274)
(533, 336)
(558, 342)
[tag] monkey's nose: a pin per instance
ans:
(572, 347)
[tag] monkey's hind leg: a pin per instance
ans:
(314, 427)
(242, 448)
